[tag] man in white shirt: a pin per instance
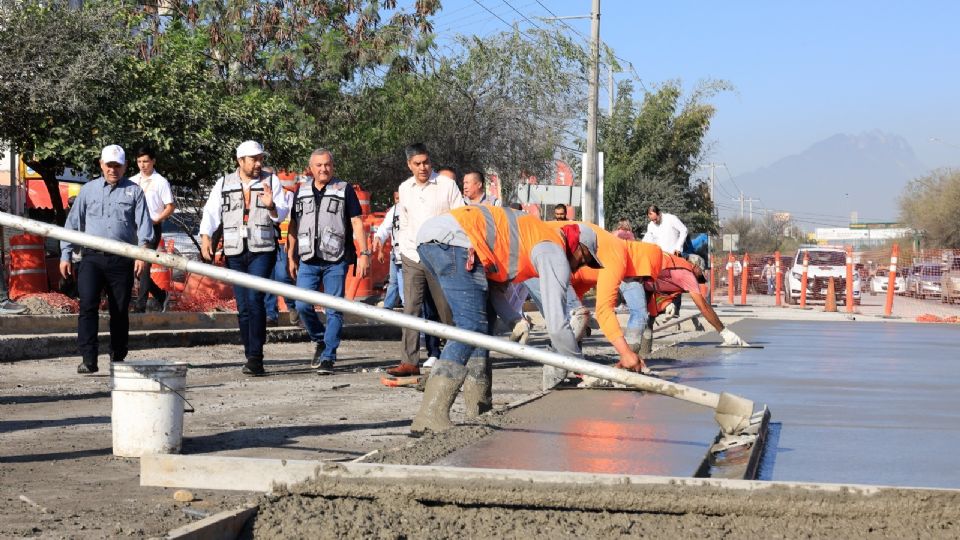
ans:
(665, 230)
(159, 197)
(422, 196)
(387, 231)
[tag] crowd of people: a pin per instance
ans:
(458, 257)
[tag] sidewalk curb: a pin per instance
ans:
(37, 346)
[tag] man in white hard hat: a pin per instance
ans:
(243, 203)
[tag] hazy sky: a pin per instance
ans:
(802, 70)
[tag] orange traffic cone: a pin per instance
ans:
(831, 304)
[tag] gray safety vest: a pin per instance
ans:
(259, 234)
(321, 223)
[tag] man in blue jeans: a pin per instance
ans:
(325, 222)
(242, 203)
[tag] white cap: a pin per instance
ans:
(249, 148)
(113, 154)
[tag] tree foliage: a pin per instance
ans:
(931, 204)
(762, 235)
(651, 151)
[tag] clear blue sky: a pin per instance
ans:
(803, 71)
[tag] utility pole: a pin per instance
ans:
(610, 90)
(713, 179)
(590, 163)
(742, 200)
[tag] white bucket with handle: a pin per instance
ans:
(148, 405)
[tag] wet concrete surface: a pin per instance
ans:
(852, 402)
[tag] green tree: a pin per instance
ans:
(931, 204)
(651, 151)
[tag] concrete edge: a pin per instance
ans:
(220, 526)
(221, 473)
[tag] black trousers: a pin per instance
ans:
(96, 272)
(147, 286)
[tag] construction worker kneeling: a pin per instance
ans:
(474, 252)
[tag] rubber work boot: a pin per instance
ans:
(478, 387)
(646, 342)
(442, 387)
(552, 377)
(579, 322)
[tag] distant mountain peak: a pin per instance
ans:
(840, 174)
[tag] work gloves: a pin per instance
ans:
(521, 331)
(731, 339)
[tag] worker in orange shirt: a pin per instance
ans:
(677, 276)
(625, 266)
(474, 251)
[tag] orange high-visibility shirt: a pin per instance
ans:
(622, 259)
(503, 238)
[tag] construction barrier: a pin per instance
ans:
(849, 291)
(892, 281)
(731, 279)
(778, 284)
(744, 278)
(28, 266)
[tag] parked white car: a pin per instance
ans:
(881, 280)
(825, 263)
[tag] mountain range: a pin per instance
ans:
(841, 174)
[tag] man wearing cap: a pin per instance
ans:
(474, 252)
(678, 276)
(242, 202)
(111, 207)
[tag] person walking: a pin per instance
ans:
(475, 190)
(668, 232)
(422, 196)
(393, 297)
(115, 208)
(472, 252)
(326, 222)
(280, 271)
(243, 204)
(769, 274)
(160, 204)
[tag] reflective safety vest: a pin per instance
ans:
(657, 301)
(245, 223)
(321, 225)
(503, 238)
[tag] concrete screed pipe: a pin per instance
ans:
(732, 412)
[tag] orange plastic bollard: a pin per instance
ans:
(744, 279)
(830, 304)
(849, 291)
(892, 284)
(803, 281)
(779, 277)
(731, 284)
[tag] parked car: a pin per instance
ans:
(924, 280)
(950, 283)
(881, 280)
(825, 263)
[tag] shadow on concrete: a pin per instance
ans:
(274, 437)
(23, 400)
(57, 456)
(8, 426)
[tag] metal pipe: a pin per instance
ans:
(720, 402)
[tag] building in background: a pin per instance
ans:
(862, 235)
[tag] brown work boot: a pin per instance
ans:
(478, 387)
(403, 370)
(441, 390)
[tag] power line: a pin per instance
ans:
(495, 15)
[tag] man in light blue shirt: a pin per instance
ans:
(111, 207)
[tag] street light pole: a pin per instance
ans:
(590, 163)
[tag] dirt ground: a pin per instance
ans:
(56, 453)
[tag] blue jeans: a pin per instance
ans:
(250, 311)
(333, 277)
(466, 293)
(279, 274)
(392, 298)
(636, 300)
(533, 287)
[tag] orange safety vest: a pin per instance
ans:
(657, 301)
(503, 238)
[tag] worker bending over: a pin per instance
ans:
(474, 252)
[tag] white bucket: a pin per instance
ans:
(148, 406)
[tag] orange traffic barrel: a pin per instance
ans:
(364, 197)
(28, 265)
